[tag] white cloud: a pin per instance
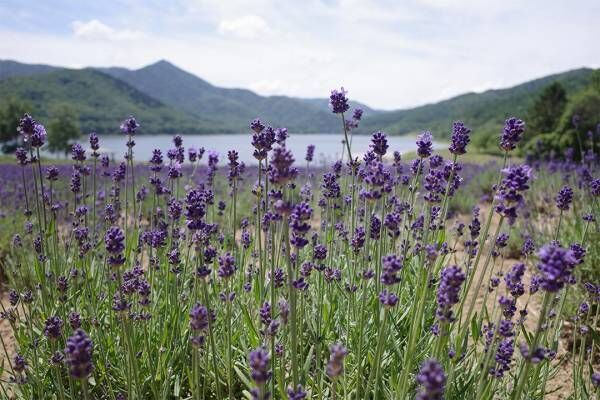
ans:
(268, 86)
(389, 54)
(248, 26)
(96, 30)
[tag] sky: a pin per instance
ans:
(387, 54)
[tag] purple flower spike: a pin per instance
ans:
(259, 362)
(129, 126)
(424, 144)
(556, 266)
(338, 102)
(21, 155)
(281, 171)
(379, 143)
(388, 299)
(114, 244)
(257, 126)
(227, 266)
(298, 394)
(511, 134)
(460, 138)
(450, 283)
(564, 198)
(391, 266)
(19, 363)
(78, 353)
(38, 138)
(301, 213)
(431, 380)
(78, 152)
(53, 327)
(510, 193)
(199, 316)
(503, 358)
(310, 152)
(94, 143)
(595, 187)
(26, 126)
(596, 379)
(513, 280)
(358, 239)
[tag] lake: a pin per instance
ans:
(328, 147)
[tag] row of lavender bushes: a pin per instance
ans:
(162, 280)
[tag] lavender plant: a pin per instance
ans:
(171, 279)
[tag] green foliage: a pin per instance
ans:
(546, 111)
(595, 80)
(586, 105)
(486, 142)
(99, 100)
(11, 110)
(62, 129)
(483, 112)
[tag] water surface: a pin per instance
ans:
(328, 147)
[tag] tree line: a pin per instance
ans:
(558, 122)
(62, 127)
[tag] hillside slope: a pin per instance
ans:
(482, 112)
(168, 99)
(100, 100)
(178, 88)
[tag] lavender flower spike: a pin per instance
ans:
(564, 198)
(129, 126)
(310, 152)
(450, 282)
(78, 353)
(424, 144)
(556, 266)
(379, 143)
(338, 102)
(431, 380)
(460, 138)
(259, 366)
(511, 134)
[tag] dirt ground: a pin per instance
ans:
(559, 386)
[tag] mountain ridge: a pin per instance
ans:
(485, 110)
(192, 101)
(99, 100)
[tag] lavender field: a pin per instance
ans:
(191, 276)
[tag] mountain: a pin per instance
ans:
(100, 101)
(168, 99)
(9, 68)
(482, 112)
(216, 109)
(171, 85)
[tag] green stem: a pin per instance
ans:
(522, 380)
(84, 388)
(229, 348)
(292, 295)
(346, 138)
(212, 342)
